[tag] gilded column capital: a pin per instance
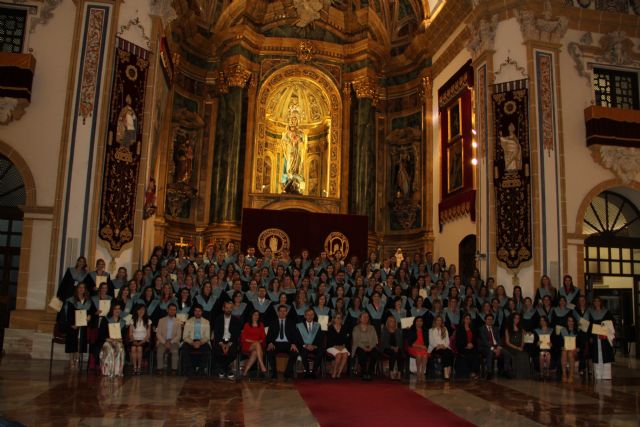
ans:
(220, 83)
(482, 35)
(237, 75)
(425, 90)
(546, 27)
(367, 87)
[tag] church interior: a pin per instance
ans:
(470, 154)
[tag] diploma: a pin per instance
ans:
(128, 319)
(116, 292)
(55, 304)
(583, 324)
(597, 329)
(569, 343)
(558, 329)
(406, 322)
(529, 338)
(323, 320)
(266, 330)
(182, 317)
(105, 306)
(174, 277)
(115, 333)
(571, 306)
(100, 280)
(81, 317)
(422, 293)
(545, 342)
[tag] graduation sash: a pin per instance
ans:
(261, 307)
(375, 314)
(165, 304)
(206, 305)
(569, 296)
(151, 306)
(354, 313)
(560, 312)
(277, 306)
(238, 311)
(597, 316)
(308, 336)
(321, 312)
(418, 312)
(77, 276)
(454, 318)
(529, 314)
(300, 310)
(78, 305)
(398, 314)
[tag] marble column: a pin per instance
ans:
(362, 153)
(230, 146)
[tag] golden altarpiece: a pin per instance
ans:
(319, 106)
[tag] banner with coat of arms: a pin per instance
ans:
(124, 145)
(512, 173)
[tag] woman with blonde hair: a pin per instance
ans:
(439, 345)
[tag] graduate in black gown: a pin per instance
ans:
(71, 278)
(75, 336)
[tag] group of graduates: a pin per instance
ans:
(188, 306)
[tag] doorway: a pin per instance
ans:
(467, 256)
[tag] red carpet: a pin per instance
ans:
(377, 403)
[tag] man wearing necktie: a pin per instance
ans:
(282, 339)
(490, 346)
(309, 343)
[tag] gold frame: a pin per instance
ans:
(450, 135)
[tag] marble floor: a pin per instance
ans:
(29, 396)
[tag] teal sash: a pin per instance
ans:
(354, 313)
(207, 306)
(324, 312)
(415, 312)
(308, 337)
(529, 313)
(560, 312)
(261, 307)
(300, 310)
(570, 296)
(454, 318)
(239, 311)
(597, 316)
(375, 314)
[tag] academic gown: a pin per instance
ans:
(70, 280)
(605, 345)
(67, 319)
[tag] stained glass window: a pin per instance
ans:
(615, 88)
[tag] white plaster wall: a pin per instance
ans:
(508, 44)
(36, 136)
(40, 248)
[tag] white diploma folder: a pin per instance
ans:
(323, 320)
(597, 329)
(583, 324)
(128, 319)
(545, 342)
(406, 322)
(105, 306)
(529, 338)
(569, 343)
(81, 318)
(115, 333)
(55, 304)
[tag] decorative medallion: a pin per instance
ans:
(305, 51)
(275, 239)
(336, 241)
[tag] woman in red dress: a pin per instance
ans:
(417, 341)
(253, 340)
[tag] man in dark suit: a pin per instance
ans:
(282, 338)
(310, 340)
(226, 340)
(490, 346)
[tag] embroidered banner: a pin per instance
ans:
(124, 143)
(512, 177)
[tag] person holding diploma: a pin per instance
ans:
(439, 345)
(168, 335)
(337, 341)
(543, 341)
(112, 355)
(139, 335)
(570, 349)
(391, 346)
(364, 345)
(94, 279)
(102, 307)
(416, 342)
(73, 318)
(601, 344)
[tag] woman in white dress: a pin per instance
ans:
(139, 335)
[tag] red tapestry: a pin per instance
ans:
(124, 144)
(298, 230)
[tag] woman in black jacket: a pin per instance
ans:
(468, 360)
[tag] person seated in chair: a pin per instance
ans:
(168, 336)
(196, 341)
(490, 346)
(310, 339)
(226, 335)
(282, 339)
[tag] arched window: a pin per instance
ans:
(12, 195)
(613, 247)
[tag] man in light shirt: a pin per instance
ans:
(168, 335)
(196, 345)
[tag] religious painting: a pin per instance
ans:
(455, 160)
(455, 120)
(405, 196)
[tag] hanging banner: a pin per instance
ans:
(512, 173)
(124, 144)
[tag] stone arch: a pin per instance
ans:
(20, 164)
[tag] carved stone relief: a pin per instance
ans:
(483, 34)
(624, 162)
(546, 27)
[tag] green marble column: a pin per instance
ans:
(362, 160)
(228, 157)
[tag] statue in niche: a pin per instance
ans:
(403, 178)
(293, 144)
(511, 148)
(183, 158)
(127, 129)
(315, 108)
